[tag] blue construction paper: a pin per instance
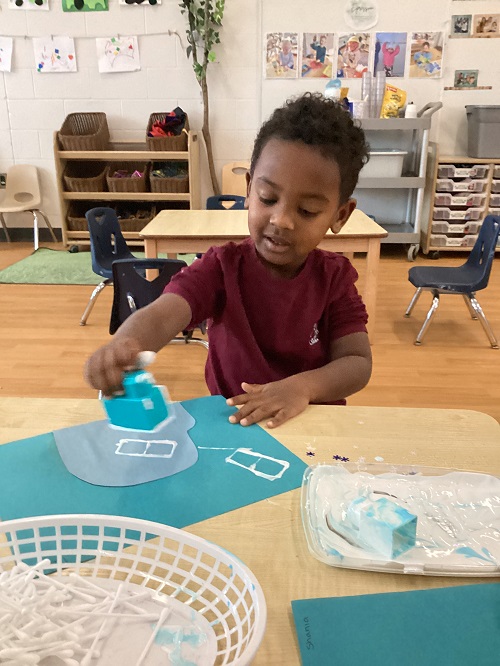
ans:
(89, 451)
(35, 481)
(453, 626)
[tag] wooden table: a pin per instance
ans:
(268, 535)
(177, 231)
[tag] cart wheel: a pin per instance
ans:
(412, 252)
(434, 255)
(74, 249)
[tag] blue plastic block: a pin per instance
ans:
(141, 407)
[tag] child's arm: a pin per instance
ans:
(148, 329)
(348, 372)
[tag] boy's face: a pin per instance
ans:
(285, 47)
(292, 200)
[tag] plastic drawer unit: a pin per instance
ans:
(465, 214)
(466, 185)
(440, 240)
(455, 228)
(462, 171)
(446, 199)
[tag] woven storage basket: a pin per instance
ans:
(179, 142)
(85, 176)
(135, 222)
(76, 220)
(127, 184)
(165, 184)
(84, 131)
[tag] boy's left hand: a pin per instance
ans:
(279, 400)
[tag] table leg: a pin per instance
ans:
(370, 287)
(151, 248)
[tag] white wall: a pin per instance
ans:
(33, 105)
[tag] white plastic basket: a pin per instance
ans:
(172, 562)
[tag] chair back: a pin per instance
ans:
(234, 178)
(133, 291)
(107, 243)
(22, 189)
(234, 201)
(481, 257)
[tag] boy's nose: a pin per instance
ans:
(282, 219)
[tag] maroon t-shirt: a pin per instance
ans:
(261, 327)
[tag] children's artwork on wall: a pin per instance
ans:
(318, 55)
(118, 54)
(140, 2)
(426, 59)
(281, 55)
(390, 53)
(353, 55)
(361, 14)
(486, 25)
(29, 4)
(465, 78)
(461, 25)
(5, 53)
(85, 5)
(54, 54)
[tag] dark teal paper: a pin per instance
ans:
(35, 481)
(453, 626)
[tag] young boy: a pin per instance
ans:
(286, 325)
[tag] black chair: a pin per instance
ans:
(217, 202)
(132, 290)
(465, 280)
(107, 244)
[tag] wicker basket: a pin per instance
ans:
(84, 131)
(127, 184)
(85, 176)
(136, 221)
(76, 220)
(165, 184)
(179, 142)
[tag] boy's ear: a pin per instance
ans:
(343, 214)
(249, 184)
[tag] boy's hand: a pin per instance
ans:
(279, 400)
(104, 369)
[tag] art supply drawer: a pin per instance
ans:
(462, 171)
(466, 185)
(456, 228)
(440, 240)
(460, 214)
(445, 199)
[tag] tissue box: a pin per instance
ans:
(143, 405)
(383, 526)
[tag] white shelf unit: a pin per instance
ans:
(397, 203)
(121, 152)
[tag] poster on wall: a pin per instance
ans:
(353, 55)
(361, 14)
(29, 4)
(130, 3)
(85, 5)
(281, 55)
(5, 54)
(117, 54)
(54, 54)
(465, 78)
(486, 25)
(390, 53)
(461, 25)
(426, 59)
(318, 55)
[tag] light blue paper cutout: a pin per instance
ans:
(97, 453)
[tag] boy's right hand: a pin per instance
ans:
(104, 369)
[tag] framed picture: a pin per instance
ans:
(461, 25)
(281, 55)
(426, 59)
(486, 25)
(465, 78)
(318, 55)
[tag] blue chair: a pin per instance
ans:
(465, 280)
(217, 202)
(107, 244)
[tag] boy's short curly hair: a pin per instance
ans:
(322, 123)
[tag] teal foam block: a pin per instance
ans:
(454, 626)
(35, 481)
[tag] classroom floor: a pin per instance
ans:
(43, 348)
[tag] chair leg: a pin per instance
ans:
(428, 319)
(484, 322)
(2, 222)
(92, 300)
(469, 306)
(185, 341)
(49, 226)
(413, 301)
(35, 229)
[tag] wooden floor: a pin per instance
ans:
(43, 348)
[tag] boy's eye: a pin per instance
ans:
(308, 213)
(267, 202)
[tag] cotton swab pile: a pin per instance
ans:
(42, 617)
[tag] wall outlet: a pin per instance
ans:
(3, 180)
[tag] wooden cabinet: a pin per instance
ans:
(463, 191)
(124, 152)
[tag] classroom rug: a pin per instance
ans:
(47, 266)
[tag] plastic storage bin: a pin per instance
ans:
(495, 201)
(496, 172)
(495, 186)
(466, 185)
(449, 214)
(461, 228)
(439, 240)
(384, 164)
(483, 131)
(455, 171)
(445, 199)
